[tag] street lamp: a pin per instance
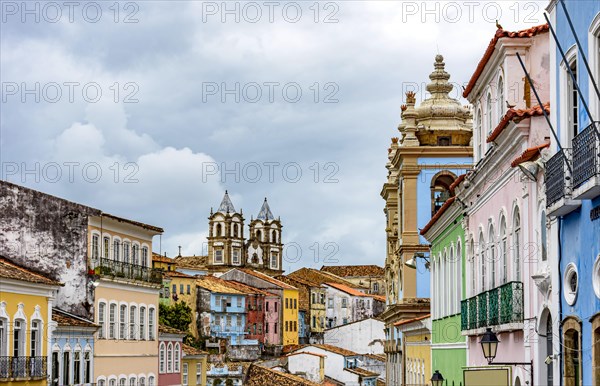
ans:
(412, 262)
(489, 345)
(437, 379)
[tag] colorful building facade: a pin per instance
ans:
(170, 353)
(193, 366)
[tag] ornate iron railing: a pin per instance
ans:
(586, 155)
(557, 175)
(108, 267)
(497, 306)
(23, 367)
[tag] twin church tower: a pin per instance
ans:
(228, 246)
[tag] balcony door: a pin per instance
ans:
(18, 353)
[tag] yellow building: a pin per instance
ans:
(25, 314)
(126, 296)
(290, 302)
(416, 347)
(194, 366)
(183, 289)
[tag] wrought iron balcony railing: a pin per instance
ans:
(497, 306)
(557, 176)
(109, 267)
(23, 367)
(586, 155)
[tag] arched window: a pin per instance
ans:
(106, 247)
(176, 357)
(219, 231)
(142, 323)
(479, 131)
(492, 256)
(35, 337)
(132, 381)
(234, 228)
(549, 351)
(135, 251)
(151, 318)
(122, 381)
(126, 246)
(116, 249)
(440, 190)
(3, 339)
(500, 99)
(162, 357)
(132, 317)
(123, 322)
(142, 381)
(473, 268)
(458, 280)
(170, 358)
(488, 114)
(274, 236)
(259, 235)
(151, 379)
(449, 263)
(101, 320)
(517, 243)
(145, 257)
(504, 251)
(482, 261)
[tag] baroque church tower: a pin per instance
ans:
(264, 247)
(225, 235)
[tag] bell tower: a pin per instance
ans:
(264, 247)
(225, 235)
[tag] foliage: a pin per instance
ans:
(178, 315)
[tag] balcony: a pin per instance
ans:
(586, 163)
(499, 306)
(119, 269)
(559, 201)
(22, 367)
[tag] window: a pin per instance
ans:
(473, 276)
(122, 381)
(488, 114)
(95, 246)
(117, 250)
(479, 131)
(145, 256)
(267, 306)
(142, 323)
(295, 304)
(106, 249)
(267, 328)
(517, 244)
(543, 236)
(161, 357)
(375, 287)
(571, 284)
(112, 382)
(111, 321)
(101, 382)
(3, 344)
(151, 318)
(238, 322)
(228, 320)
(492, 256)
(440, 190)
(132, 315)
(170, 358)
(286, 326)
(189, 289)
(142, 381)
(595, 284)
(236, 256)
(275, 325)
(275, 305)
(482, 261)
(219, 256)
(287, 305)
(101, 312)
(123, 322)
(314, 298)
(66, 377)
(87, 366)
(135, 251)
(330, 303)
(198, 373)
(295, 326)
(176, 355)
(132, 381)
(239, 301)
(35, 336)
(181, 288)
(126, 252)
(219, 230)
(503, 251)
(457, 279)
(344, 302)
(314, 321)
(345, 321)
(500, 100)
(151, 381)
(185, 374)
(77, 367)
(274, 261)
(573, 100)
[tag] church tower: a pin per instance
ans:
(225, 235)
(264, 248)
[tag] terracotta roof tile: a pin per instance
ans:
(318, 277)
(267, 278)
(162, 259)
(133, 222)
(191, 351)
(407, 321)
(191, 261)
(306, 353)
(262, 376)
(529, 154)
(216, 285)
(303, 291)
(362, 372)
(346, 289)
(379, 357)
(249, 290)
(63, 318)
(330, 348)
(10, 270)
(517, 115)
(178, 274)
(500, 33)
(162, 329)
(437, 215)
(354, 270)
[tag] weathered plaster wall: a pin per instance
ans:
(49, 235)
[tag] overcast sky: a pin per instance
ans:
(174, 102)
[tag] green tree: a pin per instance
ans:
(178, 315)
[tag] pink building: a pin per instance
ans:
(504, 200)
(170, 343)
(272, 320)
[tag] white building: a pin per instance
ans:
(365, 336)
(308, 365)
(346, 305)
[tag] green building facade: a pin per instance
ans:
(447, 269)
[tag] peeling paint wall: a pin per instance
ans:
(49, 235)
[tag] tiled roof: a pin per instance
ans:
(162, 329)
(189, 350)
(408, 321)
(262, 376)
(529, 154)
(381, 298)
(500, 33)
(177, 274)
(136, 223)
(362, 372)
(226, 205)
(162, 259)
(265, 212)
(66, 319)
(306, 353)
(346, 289)
(216, 285)
(303, 291)
(355, 270)
(333, 349)
(10, 270)
(437, 215)
(245, 288)
(379, 357)
(192, 261)
(517, 115)
(267, 278)
(318, 277)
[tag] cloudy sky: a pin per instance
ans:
(151, 109)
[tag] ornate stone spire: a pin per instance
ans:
(439, 87)
(226, 205)
(265, 212)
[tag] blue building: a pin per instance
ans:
(72, 349)
(573, 194)
(303, 327)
